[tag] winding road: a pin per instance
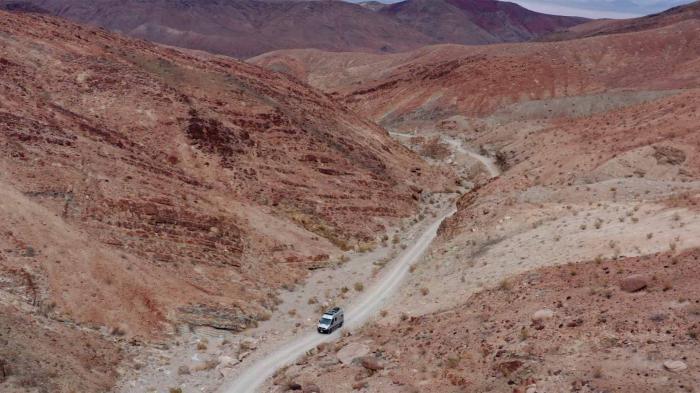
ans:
(357, 313)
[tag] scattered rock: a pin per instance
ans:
(675, 365)
(226, 366)
(371, 363)
(328, 363)
(634, 283)
(293, 386)
(575, 322)
(243, 355)
(507, 368)
(669, 155)
(227, 361)
(543, 314)
(531, 389)
(311, 388)
(248, 344)
(360, 385)
(351, 352)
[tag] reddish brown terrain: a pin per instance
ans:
(604, 27)
(245, 28)
(435, 83)
(144, 189)
(163, 208)
(571, 328)
(575, 269)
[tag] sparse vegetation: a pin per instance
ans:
(359, 287)
(452, 361)
(365, 247)
(524, 334)
(505, 285)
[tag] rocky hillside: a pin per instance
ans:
(604, 27)
(245, 28)
(433, 84)
(571, 271)
(144, 189)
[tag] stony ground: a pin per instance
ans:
(625, 325)
(574, 270)
(144, 188)
(143, 215)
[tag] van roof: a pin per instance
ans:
(333, 311)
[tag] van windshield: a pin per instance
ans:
(325, 321)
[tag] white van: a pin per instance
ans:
(331, 321)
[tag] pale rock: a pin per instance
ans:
(227, 361)
(542, 315)
(249, 343)
(634, 283)
(243, 355)
(352, 351)
(675, 365)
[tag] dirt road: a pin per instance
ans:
(355, 316)
(359, 311)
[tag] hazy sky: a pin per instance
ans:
(594, 8)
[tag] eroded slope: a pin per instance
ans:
(144, 188)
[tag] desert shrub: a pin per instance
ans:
(505, 285)
(452, 361)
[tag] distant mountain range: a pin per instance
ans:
(245, 28)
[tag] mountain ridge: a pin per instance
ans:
(246, 28)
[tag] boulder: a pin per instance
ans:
(634, 283)
(248, 344)
(311, 388)
(371, 363)
(352, 351)
(360, 385)
(227, 361)
(542, 315)
(226, 366)
(675, 365)
(243, 355)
